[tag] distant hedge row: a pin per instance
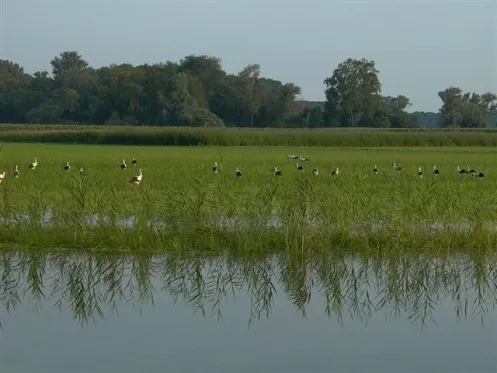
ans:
(200, 136)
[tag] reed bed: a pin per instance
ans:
(189, 136)
(182, 205)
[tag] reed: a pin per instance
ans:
(182, 205)
(194, 136)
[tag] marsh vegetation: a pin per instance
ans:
(182, 204)
(201, 136)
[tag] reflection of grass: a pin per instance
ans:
(181, 204)
(352, 285)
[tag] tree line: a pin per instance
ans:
(196, 91)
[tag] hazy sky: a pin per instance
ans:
(420, 47)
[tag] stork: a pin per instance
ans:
(299, 167)
(214, 168)
(420, 173)
(137, 179)
(2, 176)
(33, 165)
(315, 171)
(334, 172)
(375, 170)
(123, 165)
(67, 167)
(435, 171)
(277, 171)
(16, 172)
(238, 173)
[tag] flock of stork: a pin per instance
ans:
(376, 170)
(135, 180)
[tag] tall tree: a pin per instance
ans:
(353, 92)
(395, 109)
(250, 75)
(466, 110)
(70, 70)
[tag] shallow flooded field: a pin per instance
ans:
(198, 271)
(181, 201)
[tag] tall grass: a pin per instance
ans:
(182, 205)
(188, 136)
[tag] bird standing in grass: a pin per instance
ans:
(214, 168)
(81, 171)
(33, 165)
(137, 179)
(2, 177)
(480, 175)
(238, 173)
(334, 172)
(277, 171)
(471, 171)
(304, 159)
(375, 170)
(291, 156)
(16, 172)
(123, 165)
(420, 172)
(299, 167)
(461, 171)
(67, 167)
(315, 171)
(396, 168)
(133, 162)
(435, 171)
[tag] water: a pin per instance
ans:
(237, 313)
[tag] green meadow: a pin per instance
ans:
(182, 205)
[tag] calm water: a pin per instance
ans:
(285, 313)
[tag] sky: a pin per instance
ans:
(419, 47)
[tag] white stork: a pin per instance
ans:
(137, 179)
(420, 173)
(33, 165)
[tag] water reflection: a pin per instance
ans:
(352, 286)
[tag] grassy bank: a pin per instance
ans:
(182, 205)
(188, 136)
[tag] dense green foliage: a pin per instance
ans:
(187, 136)
(181, 204)
(198, 92)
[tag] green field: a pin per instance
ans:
(200, 136)
(182, 205)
